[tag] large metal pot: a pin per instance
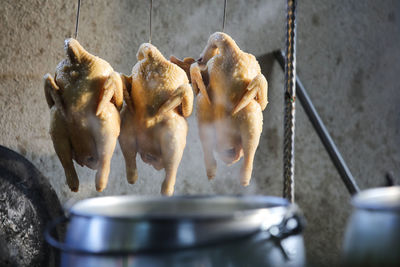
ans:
(183, 231)
(373, 233)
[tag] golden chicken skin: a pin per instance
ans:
(232, 93)
(159, 98)
(84, 98)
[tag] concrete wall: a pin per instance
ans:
(348, 60)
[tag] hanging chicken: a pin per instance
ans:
(158, 97)
(84, 97)
(232, 93)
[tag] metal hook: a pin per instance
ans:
(77, 19)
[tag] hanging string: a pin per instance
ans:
(77, 19)
(290, 107)
(151, 11)
(224, 18)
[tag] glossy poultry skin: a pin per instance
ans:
(158, 97)
(84, 98)
(232, 93)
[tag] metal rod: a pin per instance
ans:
(322, 132)
(224, 18)
(290, 103)
(77, 19)
(151, 11)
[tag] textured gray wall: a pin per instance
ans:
(348, 60)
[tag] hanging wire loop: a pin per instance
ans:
(224, 17)
(290, 103)
(77, 20)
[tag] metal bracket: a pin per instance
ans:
(321, 130)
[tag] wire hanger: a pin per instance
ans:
(77, 20)
(151, 11)
(224, 18)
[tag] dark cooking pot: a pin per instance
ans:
(373, 233)
(183, 231)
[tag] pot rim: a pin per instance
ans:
(95, 207)
(378, 199)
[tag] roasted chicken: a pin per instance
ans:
(232, 93)
(158, 97)
(84, 97)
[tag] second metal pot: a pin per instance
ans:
(373, 233)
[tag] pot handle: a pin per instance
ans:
(49, 230)
(292, 224)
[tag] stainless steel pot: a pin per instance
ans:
(373, 233)
(183, 231)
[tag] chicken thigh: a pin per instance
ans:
(84, 98)
(158, 97)
(232, 93)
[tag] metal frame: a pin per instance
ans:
(322, 132)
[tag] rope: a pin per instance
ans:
(290, 104)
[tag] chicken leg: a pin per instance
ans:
(250, 122)
(172, 142)
(207, 134)
(63, 148)
(127, 141)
